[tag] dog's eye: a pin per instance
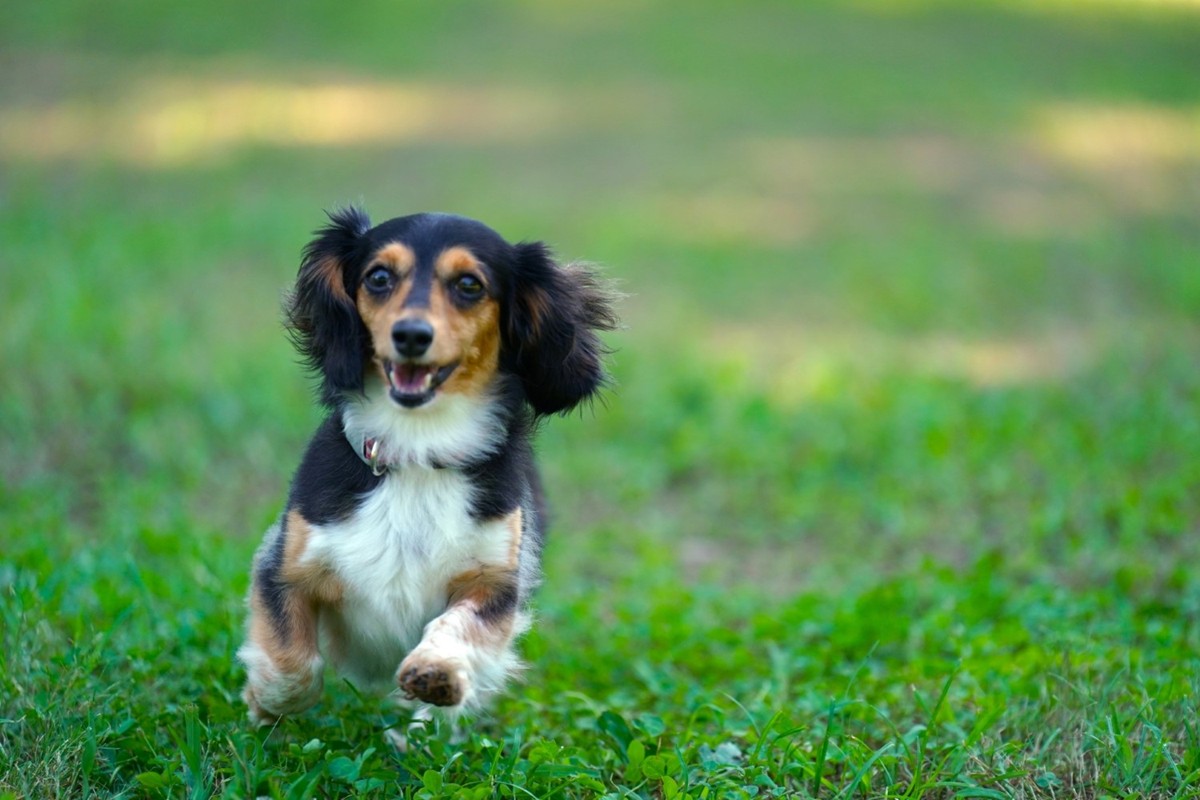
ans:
(379, 280)
(468, 286)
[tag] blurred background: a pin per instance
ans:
(909, 283)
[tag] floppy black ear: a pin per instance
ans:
(321, 314)
(551, 329)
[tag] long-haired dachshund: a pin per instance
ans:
(411, 539)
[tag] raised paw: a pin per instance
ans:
(436, 682)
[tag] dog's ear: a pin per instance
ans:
(550, 332)
(321, 312)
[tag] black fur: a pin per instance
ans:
(500, 603)
(321, 314)
(332, 479)
(271, 588)
(501, 479)
(499, 482)
(550, 330)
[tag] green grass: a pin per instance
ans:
(898, 493)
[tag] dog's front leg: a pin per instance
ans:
(466, 652)
(284, 668)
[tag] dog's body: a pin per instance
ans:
(412, 535)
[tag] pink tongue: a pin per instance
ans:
(409, 378)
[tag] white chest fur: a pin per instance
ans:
(447, 430)
(395, 556)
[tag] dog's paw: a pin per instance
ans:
(258, 715)
(267, 705)
(434, 681)
(270, 694)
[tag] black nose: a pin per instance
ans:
(412, 337)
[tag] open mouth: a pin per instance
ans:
(413, 384)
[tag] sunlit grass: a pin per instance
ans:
(176, 122)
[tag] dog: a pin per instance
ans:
(411, 539)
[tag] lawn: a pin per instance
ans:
(897, 493)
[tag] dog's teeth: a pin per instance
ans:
(428, 380)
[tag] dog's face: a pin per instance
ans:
(431, 305)
(436, 304)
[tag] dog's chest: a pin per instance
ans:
(395, 556)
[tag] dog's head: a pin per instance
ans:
(439, 304)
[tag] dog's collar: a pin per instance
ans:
(370, 451)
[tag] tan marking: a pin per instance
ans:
(296, 654)
(469, 592)
(537, 306)
(455, 260)
(398, 256)
(516, 528)
(329, 272)
(479, 583)
(476, 334)
(315, 580)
